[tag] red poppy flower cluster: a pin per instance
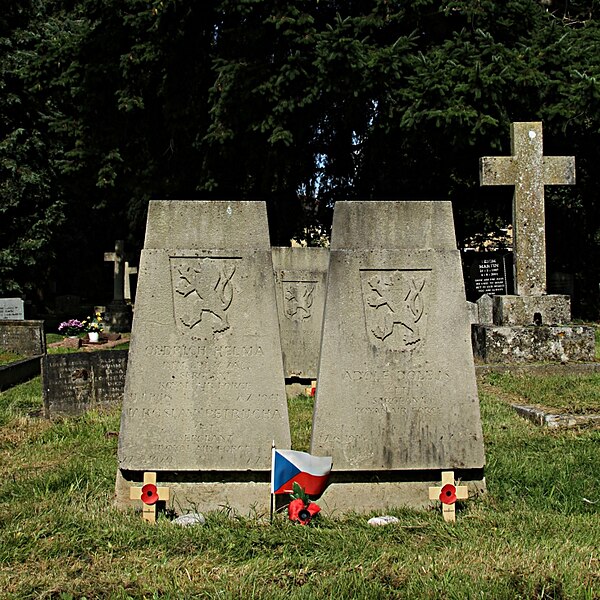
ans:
(302, 513)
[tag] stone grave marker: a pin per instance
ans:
(529, 171)
(506, 340)
(487, 273)
(300, 275)
(396, 400)
(23, 337)
(12, 309)
(77, 382)
(204, 394)
(118, 315)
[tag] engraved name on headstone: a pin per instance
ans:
(396, 389)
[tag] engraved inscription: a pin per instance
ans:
(203, 293)
(298, 299)
(395, 309)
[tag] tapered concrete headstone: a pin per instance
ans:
(396, 397)
(204, 394)
(300, 275)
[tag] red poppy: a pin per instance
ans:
(448, 494)
(149, 494)
(299, 512)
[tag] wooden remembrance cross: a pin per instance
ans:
(529, 171)
(153, 496)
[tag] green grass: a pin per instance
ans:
(7, 357)
(535, 534)
(577, 394)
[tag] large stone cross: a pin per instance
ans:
(529, 171)
(118, 257)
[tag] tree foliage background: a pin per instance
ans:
(106, 104)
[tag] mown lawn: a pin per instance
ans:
(535, 534)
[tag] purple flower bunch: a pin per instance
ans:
(71, 327)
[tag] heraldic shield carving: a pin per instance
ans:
(395, 308)
(298, 299)
(203, 294)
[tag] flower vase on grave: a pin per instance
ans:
(93, 336)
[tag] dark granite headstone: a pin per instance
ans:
(487, 273)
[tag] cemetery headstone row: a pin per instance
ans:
(204, 396)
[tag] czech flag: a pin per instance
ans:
(309, 472)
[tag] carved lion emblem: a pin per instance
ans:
(394, 306)
(203, 293)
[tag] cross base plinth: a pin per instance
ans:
(554, 309)
(518, 344)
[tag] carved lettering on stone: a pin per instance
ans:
(395, 309)
(203, 293)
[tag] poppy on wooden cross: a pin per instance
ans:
(149, 494)
(448, 493)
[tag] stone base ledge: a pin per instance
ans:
(502, 344)
(252, 498)
(367, 497)
(556, 421)
(554, 309)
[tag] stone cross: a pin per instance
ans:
(529, 171)
(136, 493)
(454, 492)
(118, 257)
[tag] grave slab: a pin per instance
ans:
(204, 394)
(23, 337)
(396, 396)
(300, 276)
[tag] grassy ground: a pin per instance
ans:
(535, 534)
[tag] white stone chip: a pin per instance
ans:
(190, 519)
(384, 520)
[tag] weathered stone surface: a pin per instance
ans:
(473, 312)
(205, 385)
(78, 382)
(504, 344)
(531, 310)
(529, 171)
(485, 310)
(556, 421)
(396, 388)
(23, 337)
(383, 495)
(300, 275)
(12, 309)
